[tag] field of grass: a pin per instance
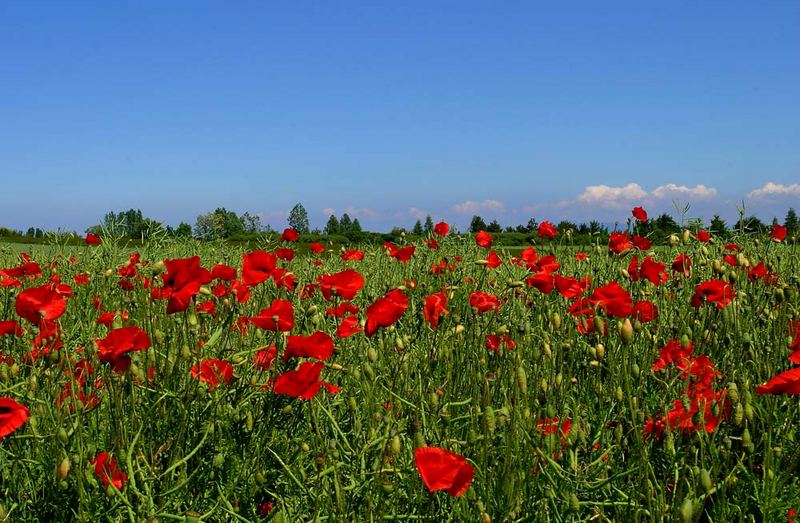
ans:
(252, 385)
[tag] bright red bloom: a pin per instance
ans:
(673, 352)
(441, 469)
(483, 302)
(304, 382)
(316, 247)
(778, 232)
(402, 254)
(92, 239)
(715, 291)
(494, 341)
(318, 345)
(345, 284)
(543, 281)
(386, 310)
(223, 272)
(285, 253)
(290, 235)
(213, 372)
(352, 255)
(10, 327)
(645, 311)
(581, 256)
(615, 300)
(653, 271)
(38, 304)
(105, 468)
(431, 243)
(265, 357)
(441, 229)
(641, 242)
(81, 279)
(703, 236)
(757, 272)
(794, 330)
(257, 267)
(278, 317)
(787, 382)
(484, 239)
(342, 309)
(571, 287)
(435, 306)
(182, 282)
(117, 345)
(619, 242)
(682, 264)
(548, 426)
(348, 326)
(12, 416)
(640, 214)
(547, 230)
(493, 261)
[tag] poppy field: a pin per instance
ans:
(439, 380)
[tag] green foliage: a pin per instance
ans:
(298, 218)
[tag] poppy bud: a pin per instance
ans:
(372, 355)
(747, 440)
(555, 320)
(626, 331)
(600, 351)
(543, 385)
(395, 446)
(111, 491)
(748, 411)
(619, 394)
(687, 510)
(108, 273)
(547, 350)
(705, 480)
(4, 377)
(398, 344)
(63, 437)
(686, 236)
(516, 284)
(205, 291)
(522, 381)
(733, 393)
(673, 239)
(488, 422)
(599, 326)
(368, 371)
(486, 518)
(62, 471)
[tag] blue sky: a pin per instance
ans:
(392, 110)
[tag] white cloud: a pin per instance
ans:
(775, 189)
(486, 205)
(361, 212)
(418, 213)
(612, 196)
(328, 211)
(671, 190)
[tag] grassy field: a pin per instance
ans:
(158, 387)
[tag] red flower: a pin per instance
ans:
(10, 327)
(182, 282)
(402, 254)
(581, 256)
(92, 239)
(348, 326)
(386, 310)
(265, 357)
(570, 287)
(441, 229)
(682, 264)
(619, 242)
(614, 299)
(778, 232)
(640, 214)
(304, 382)
(441, 469)
(716, 291)
(12, 416)
(653, 271)
(645, 311)
(547, 230)
(544, 281)
(81, 279)
(289, 235)
(257, 267)
(431, 243)
(319, 346)
(757, 272)
(345, 284)
(285, 253)
(494, 341)
(116, 346)
(105, 468)
(641, 242)
(493, 261)
(483, 302)
(703, 236)
(673, 352)
(548, 426)
(278, 317)
(435, 306)
(484, 239)
(342, 309)
(39, 304)
(213, 372)
(223, 272)
(352, 255)
(787, 382)
(316, 248)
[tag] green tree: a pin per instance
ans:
(251, 222)
(532, 226)
(298, 218)
(345, 224)
(477, 224)
(718, 226)
(356, 226)
(666, 224)
(790, 222)
(749, 224)
(184, 230)
(332, 227)
(494, 226)
(417, 230)
(428, 224)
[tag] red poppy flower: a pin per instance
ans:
(285, 253)
(673, 352)
(615, 300)
(265, 357)
(484, 239)
(342, 309)
(543, 281)
(386, 310)
(787, 382)
(352, 255)
(182, 282)
(289, 235)
(640, 214)
(223, 272)
(653, 271)
(92, 239)
(794, 330)
(571, 287)
(703, 236)
(548, 426)
(581, 256)
(715, 291)
(494, 341)
(619, 242)
(117, 345)
(81, 279)
(401, 254)
(316, 247)
(348, 326)
(213, 372)
(278, 317)
(345, 284)
(757, 272)
(10, 327)
(38, 304)
(641, 242)
(441, 229)
(105, 468)
(493, 261)
(435, 306)
(12, 416)
(547, 230)
(318, 345)
(441, 469)
(645, 311)
(257, 267)
(682, 264)
(207, 307)
(304, 382)
(483, 302)
(778, 232)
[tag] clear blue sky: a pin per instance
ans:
(396, 109)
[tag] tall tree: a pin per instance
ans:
(251, 222)
(345, 224)
(718, 226)
(298, 218)
(332, 227)
(428, 224)
(494, 226)
(790, 222)
(417, 229)
(477, 224)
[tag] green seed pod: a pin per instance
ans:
(398, 343)
(705, 480)
(111, 491)
(547, 350)
(488, 422)
(555, 321)
(574, 504)
(738, 415)
(687, 511)
(395, 446)
(522, 380)
(600, 351)
(63, 437)
(372, 355)
(626, 331)
(419, 439)
(434, 400)
(733, 393)
(62, 471)
(635, 371)
(543, 385)
(248, 422)
(618, 394)
(747, 440)
(599, 326)
(368, 371)
(186, 353)
(4, 377)
(749, 413)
